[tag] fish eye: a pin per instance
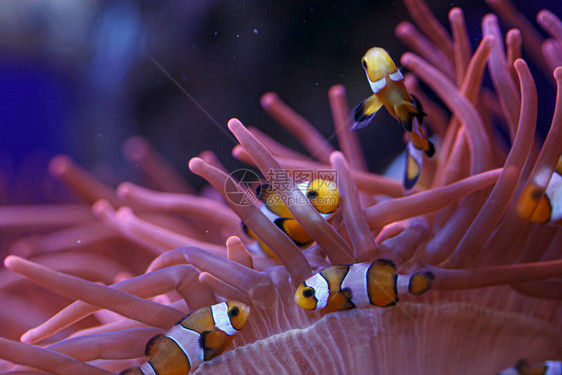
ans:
(308, 292)
(233, 312)
(312, 194)
(364, 64)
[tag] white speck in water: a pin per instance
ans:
(255, 31)
(233, 57)
(216, 32)
(316, 83)
(237, 35)
(78, 242)
(206, 231)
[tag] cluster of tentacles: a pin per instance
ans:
(461, 223)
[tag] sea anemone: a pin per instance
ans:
(462, 222)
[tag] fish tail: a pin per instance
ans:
(420, 282)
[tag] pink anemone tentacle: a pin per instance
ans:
(77, 288)
(301, 129)
(45, 359)
(500, 197)
(364, 245)
(335, 247)
(86, 186)
(285, 249)
(158, 169)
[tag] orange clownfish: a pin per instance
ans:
(322, 194)
(387, 84)
(359, 285)
(526, 368)
(389, 90)
(200, 336)
(545, 208)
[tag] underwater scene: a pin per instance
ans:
(320, 187)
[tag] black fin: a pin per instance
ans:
(386, 262)
(431, 150)
(202, 339)
(408, 184)
(360, 118)
(206, 351)
(418, 105)
(150, 343)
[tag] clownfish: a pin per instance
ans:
(360, 285)
(198, 337)
(543, 208)
(322, 194)
(526, 368)
(387, 84)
